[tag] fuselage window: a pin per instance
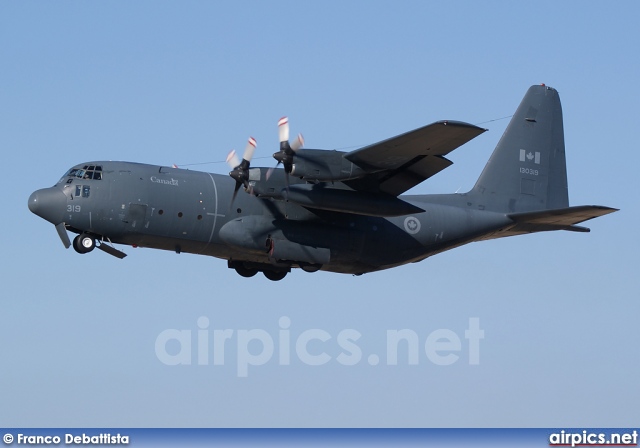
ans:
(85, 191)
(78, 190)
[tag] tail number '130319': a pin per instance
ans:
(529, 171)
(74, 208)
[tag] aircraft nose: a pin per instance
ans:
(49, 204)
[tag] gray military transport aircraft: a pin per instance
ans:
(327, 210)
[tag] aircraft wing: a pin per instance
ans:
(399, 163)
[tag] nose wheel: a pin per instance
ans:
(84, 243)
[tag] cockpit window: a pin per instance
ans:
(87, 172)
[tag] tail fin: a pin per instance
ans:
(527, 171)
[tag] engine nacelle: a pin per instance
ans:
(248, 233)
(321, 165)
(259, 235)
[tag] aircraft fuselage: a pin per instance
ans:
(190, 211)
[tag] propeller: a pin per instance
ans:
(287, 150)
(240, 168)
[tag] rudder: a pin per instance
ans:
(527, 170)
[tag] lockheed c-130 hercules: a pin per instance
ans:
(327, 210)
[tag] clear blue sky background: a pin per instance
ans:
(184, 82)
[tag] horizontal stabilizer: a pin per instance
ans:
(548, 220)
(563, 217)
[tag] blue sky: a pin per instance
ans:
(184, 82)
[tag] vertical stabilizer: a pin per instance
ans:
(527, 171)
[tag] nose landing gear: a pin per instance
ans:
(84, 243)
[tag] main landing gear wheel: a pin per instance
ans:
(308, 267)
(275, 276)
(84, 243)
(245, 272)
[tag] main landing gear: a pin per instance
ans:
(249, 270)
(275, 276)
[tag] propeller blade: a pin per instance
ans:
(232, 159)
(271, 170)
(235, 193)
(298, 143)
(249, 149)
(64, 236)
(283, 129)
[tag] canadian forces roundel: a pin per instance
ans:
(412, 225)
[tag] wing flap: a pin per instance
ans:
(348, 201)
